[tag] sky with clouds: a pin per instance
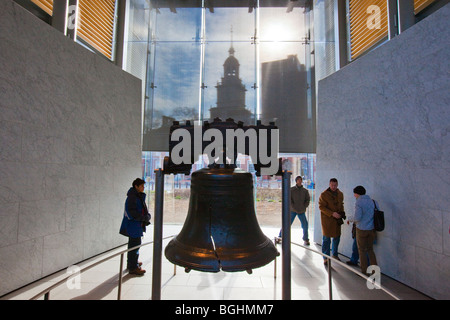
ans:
(178, 51)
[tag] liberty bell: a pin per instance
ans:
(221, 231)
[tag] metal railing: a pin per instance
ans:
(330, 259)
(157, 246)
(46, 292)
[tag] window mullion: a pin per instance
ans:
(257, 64)
(201, 100)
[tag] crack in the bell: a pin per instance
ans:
(212, 238)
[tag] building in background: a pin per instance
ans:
(284, 101)
(231, 94)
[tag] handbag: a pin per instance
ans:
(378, 218)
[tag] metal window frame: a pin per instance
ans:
(400, 17)
(35, 10)
(59, 20)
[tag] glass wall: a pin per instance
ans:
(137, 41)
(226, 61)
(229, 61)
(267, 195)
(324, 38)
(199, 59)
(229, 65)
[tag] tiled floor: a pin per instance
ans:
(309, 280)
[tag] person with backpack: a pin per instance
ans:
(365, 232)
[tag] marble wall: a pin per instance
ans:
(70, 146)
(384, 123)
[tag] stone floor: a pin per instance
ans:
(309, 280)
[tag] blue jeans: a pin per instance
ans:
(334, 245)
(303, 221)
(133, 255)
(355, 254)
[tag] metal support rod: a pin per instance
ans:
(275, 262)
(392, 12)
(341, 12)
(406, 17)
(72, 19)
(119, 290)
(157, 235)
(47, 296)
(59, 15)
(120, 33)
(330, 288)
(286, 236)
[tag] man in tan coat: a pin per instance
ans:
(331, 204)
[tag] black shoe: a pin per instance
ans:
(337, 258)
(351, 263)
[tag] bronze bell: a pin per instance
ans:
(221, 231)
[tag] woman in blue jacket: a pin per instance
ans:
(135, 218)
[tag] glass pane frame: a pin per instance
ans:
(256, 36)
(214, 42)
(216, 53)
(176, 79)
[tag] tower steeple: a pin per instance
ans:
(231, 65)
(231, 91)
(231, 51)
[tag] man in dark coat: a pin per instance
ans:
(135, 218)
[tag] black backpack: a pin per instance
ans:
(378, 218)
